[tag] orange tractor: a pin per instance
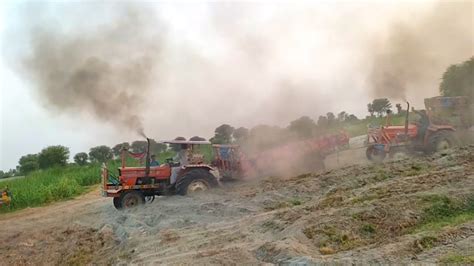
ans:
(132, 186)
(428, 134)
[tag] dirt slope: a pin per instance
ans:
(360, 213)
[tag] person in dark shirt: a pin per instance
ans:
(153, 161)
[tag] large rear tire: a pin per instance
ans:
(131, 199)
(117, 203)
(375, 155)
(441, 140)
(196, 180)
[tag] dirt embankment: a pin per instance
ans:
(360, 213)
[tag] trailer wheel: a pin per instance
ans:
(131, 199)
(117, 203)
(374, 154)
(441, 140)
(196, 180)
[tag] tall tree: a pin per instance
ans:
(139, 146)
(342, 116)
(81, 158)
(331, 118)
(322, 121)
(303, 126)
(399, 108)
(100, 154)
(370, 109)
(351, 118)
(458, 80)
(53, 156)
(117, 149)
(28, 163)
(240, 134)
(223, 134)
(156, 148)
(381, 106)
(197, 138)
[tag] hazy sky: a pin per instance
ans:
(242, 63)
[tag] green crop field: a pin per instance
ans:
(45, 186)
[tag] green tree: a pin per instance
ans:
(458, 80)
(53, 156)
(100, 154)
(157, 148)
(81, 158)
(240, 134)
(117, 149)
(303, 127)
(28, 163)
(223, 134)
(197, 138)
(342, 116)
(331, 118)
(370, 109)
(381, 106)
(139, 146)
(322, 121)
(399, 108)
(352, 118)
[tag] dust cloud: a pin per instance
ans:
(107, 71)
(184, 69)
(414, 54)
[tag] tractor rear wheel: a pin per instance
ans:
(196, 180)
(441, 140)
(131, 199)
(374, 154)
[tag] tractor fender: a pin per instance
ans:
(190, 167)
(198, 166)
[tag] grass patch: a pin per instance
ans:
(295, 202)
(45, 186)
(367, 229)
(444, 211)
(458, 259)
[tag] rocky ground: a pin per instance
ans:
(414, 210)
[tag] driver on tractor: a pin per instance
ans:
(180, 159)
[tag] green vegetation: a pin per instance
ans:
(45, 186)
(428, 242)
(458, 80)
(458, 259)
(444, 211)
(367, 229)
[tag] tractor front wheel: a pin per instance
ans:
(197, 180)
(131, 199)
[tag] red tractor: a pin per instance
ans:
(422, 135)
(185, 174)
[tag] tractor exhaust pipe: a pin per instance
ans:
(147, 163)
(406, 119)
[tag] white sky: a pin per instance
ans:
(330, 39)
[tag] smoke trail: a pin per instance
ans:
(107, 71)
(415, 54)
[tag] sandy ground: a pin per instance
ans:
(361, 213)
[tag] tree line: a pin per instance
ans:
(457, 80)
